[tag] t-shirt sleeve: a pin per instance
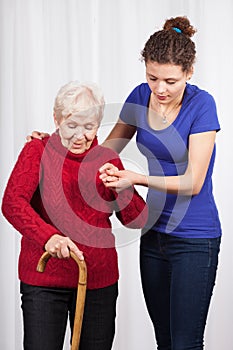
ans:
(135, 105)
(127, 114)
(205, 116)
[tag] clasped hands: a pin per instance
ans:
(117, 179)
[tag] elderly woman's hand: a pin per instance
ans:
(59, 247)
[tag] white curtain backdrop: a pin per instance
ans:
(46, 43)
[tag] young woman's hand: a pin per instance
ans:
(36, 135)
(59, 247)
(120, 179)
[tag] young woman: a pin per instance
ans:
(175, 125)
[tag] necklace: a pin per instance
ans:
(164, 119)
(164, 115)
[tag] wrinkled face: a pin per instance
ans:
(166, 81)
(78, 131)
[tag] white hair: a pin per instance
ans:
(75, 97)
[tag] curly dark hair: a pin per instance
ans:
(172, 44)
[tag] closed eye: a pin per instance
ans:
(152, 78)
(71, 126)
(89, 126)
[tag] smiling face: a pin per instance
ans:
(166, 81)
(78, 131)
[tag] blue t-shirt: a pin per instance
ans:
(167, 155)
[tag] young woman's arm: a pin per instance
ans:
(190, 183)
(119, 136)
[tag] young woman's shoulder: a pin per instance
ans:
(195, 92)
(140, 94)
(201, 108)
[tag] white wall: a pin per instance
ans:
(44, 44)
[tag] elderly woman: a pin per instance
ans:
(55, 199)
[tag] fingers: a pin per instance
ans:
(39, 135)
(118, 185)
(36, 135)
(60, 247)
(109, 173)
(112, 184)
(108, 168)
(111, 179)
(29, 138)
(105, 167)
(77, 252)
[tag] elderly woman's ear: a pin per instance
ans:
(55, 120)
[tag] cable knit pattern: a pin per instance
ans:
(52, 190)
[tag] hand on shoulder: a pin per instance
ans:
(36, 135)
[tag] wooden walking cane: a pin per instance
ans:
(81, 295)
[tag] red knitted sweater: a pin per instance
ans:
(52, 190)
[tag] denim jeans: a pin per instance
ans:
(46, 310)
(178, 276)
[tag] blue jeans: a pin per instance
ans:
(178, 276)
(46, 310)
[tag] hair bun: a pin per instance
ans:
(180, 23)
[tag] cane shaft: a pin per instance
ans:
(81, 295)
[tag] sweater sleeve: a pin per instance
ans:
(130, 208)
(22, 184)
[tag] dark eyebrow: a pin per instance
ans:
(153, 76)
